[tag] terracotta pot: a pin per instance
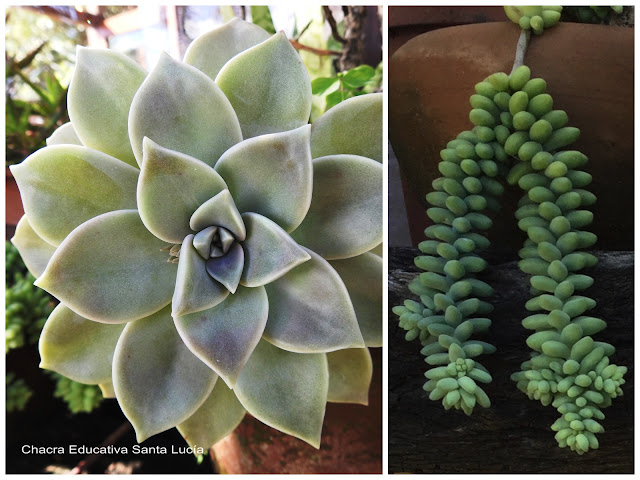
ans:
(351, 441)
(13, 206)
(589, 73)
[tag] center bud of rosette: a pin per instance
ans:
(223, 255)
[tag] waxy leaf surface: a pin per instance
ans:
(268, 251)
(63, 186)
(271, 175)
(195, 289)
(268, 86)
(172, 186)
(350, 374)
(65, 134)
(218, 416)
(34, 251)
(310, 310)
(103, 85)
(159, 383)
(219, 211)
(210, 51)
(111, 269)
(362, 275)
(78, 348)
(345, 216)
(181, 108)
(352, 127)
(224, 336)
(292, 396)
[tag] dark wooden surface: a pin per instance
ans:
(514, 435)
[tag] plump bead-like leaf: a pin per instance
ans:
(219, 211)
(171, 188)
(271, 175)
(292, 397)
(218, 416)
(65, 134)
(269, 252)
(268, 86)
(210, 51)
(195, 289)
(35, 252)
(111, 269)
(224, 336)
(158, 382)
(78, 348)
(98, 108)
(345, 216)
(351, 127)
(63, 186)
(310, 310)
(362, 275)
(167, 110)
(350, 372)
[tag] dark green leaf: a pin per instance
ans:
(334, 98)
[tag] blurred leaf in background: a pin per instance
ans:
(39, 58)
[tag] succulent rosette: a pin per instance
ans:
(211, 250)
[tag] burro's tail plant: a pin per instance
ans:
(518, 136)
(210, 249)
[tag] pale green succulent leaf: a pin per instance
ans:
(218, 416)
(219, 211)
(172, 186)
(310, 310)
(107, 389)
(195, 289)
(271, 175)
(111, 270)
(345, 216)
(63, 186)
(77, 348)
(158, 382)
(268, 86)
(285, 390)
(65, 134)
(362, 275)
(377, 250)
(210, 51)
(269, 252)
(351, 127)
(35, 252)
(224, 336)
(350, 372)
(102, 88)
(182, 109)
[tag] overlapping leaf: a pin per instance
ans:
(350, 372)
(78, 348)
(158, 382)
(166, 110)
(268, 86)
(271, 175)
(63, 186)
(111, 269)
(292, 397)
(34, 251)
(310, 310)
(345, 216)
(99, 108)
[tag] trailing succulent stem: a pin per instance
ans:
(519, 136)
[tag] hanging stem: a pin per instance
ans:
(521, 49)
